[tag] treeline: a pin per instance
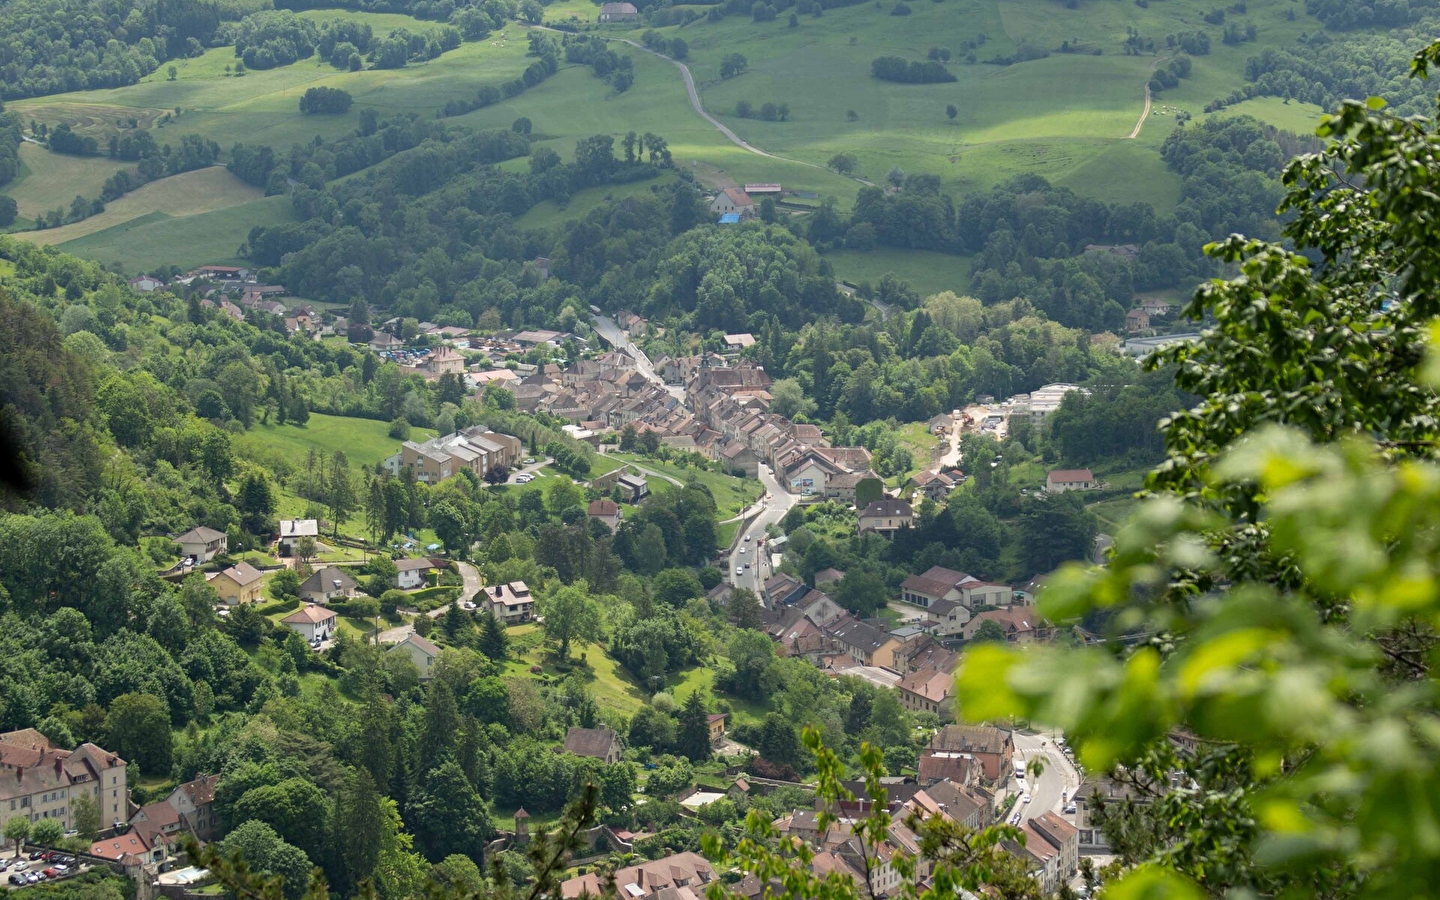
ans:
(54, 46)
(1326, 70)
(594, 52)
(11, 137)
(1342, 15)
(895, 68)
(325, 100)
(544, 47)
(193, 152)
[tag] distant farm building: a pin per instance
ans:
(619, 12)
(733, 200)
(772, 190)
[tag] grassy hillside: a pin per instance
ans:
(180, 196)
(47, 180)
(365, 441)
(159, 239)
(1066, 117)
(928, 272)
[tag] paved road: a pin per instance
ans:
(884, 309)
(616, 337)
(1058, 779)
(951, 455)
(471, 582)
(773, 507)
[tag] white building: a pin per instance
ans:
(313, 623)
(292, 530)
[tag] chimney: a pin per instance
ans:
(19, 773)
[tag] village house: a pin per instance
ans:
(633, 487)
(1061, 480)
(864, 643)
(886, 516)
(927, 691)
(292, 530)
(606, 512)
(195, 802)
(661, 878)
(411, 573)
(203, 544)
(949, 799)
(733, 200)
(158, 824)
(781, 589)
(939, 583)
(419, 651)
(327, 584)
(1020, 624)
(238, 584)
(740, 341)
(618, 12)
(716, 723)
(1157, 306)
(1136, 321)
(313, 623)
(128, 849)
(934, 485)
(992, 746)
(946, 618)
(444, 361)
(383, 340)
(596, 743)
(145, 284)
(1052, 847)
(511, 603)
(825, 576)
(39, 780)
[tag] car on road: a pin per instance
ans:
(743, 549)
(747, 537)
(1024, 799)
(529, 461)
(739, 570)
(468, 604)
(19, 879)
(21, 866)
(1070, 809)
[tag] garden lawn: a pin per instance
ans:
(731, 494)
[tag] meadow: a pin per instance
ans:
(158, 239)
(365, 441)
(927, 272)
(47, 180)
(179, 196)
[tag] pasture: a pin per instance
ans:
(365, 441)
(158, 239)
(47, 180)
(179, 196)
(927, 272)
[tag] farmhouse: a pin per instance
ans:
(596, 743)
(145, 284)
(619, 12)
(313, 623)
(733, 200)
(202, 543)
(605, 511)
(1061, 480)
(1136, 321)
(772, 190)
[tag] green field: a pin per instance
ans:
(928, 272)
(180, 196)
(47, 180)
(1066, 117)
(365, 441)
(731, 494)
(158, 239)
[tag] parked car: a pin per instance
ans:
(18, 878)
(1070, 809)
(52, 872)
(529, 461)
(1025, 799)
(739, 570)
(21, 866)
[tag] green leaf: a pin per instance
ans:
(1375, 102)
(1151, 882)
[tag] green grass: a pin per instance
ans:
(365, 441)
(927, 271)
(548, 213)
(1114, 513)
(1301, 118)
(158, 239)
(177, 197)
(47, 180)
(731, 494)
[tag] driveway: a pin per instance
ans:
(471, 582)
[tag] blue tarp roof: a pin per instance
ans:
(730, 219)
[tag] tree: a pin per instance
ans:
(1271, 554)
(844, 163)
(85, 814)
(744, 609)
(17, 829)
(256, 502)
(951, 111)
(138, 729)
(340, 490)
(305, 549)
(733, 64)
(990, 630)
(171, 73)
(448, 816)
(360, 827)
(767, 210)
(1056, 529)
(295, 808)
(693, 740)
(494, 642)
(862, 593)
(47, 832)
(778, 742)
(570, 615)
(261, 848)
(458, 874)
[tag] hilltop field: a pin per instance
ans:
(1067, 117)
